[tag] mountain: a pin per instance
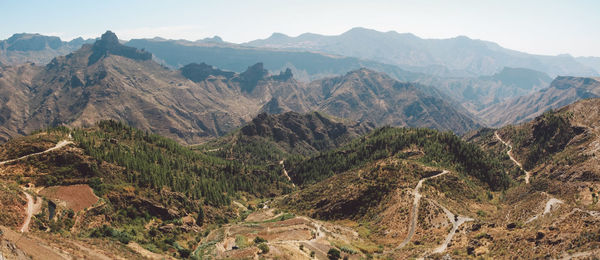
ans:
(459, 56)
(271, 138)
(107, 80)
(478, 93)
(397, 193)
(592, 62)
(116, 185)
(561, 92)
(560, 145)
(365, 95)
(26, 47)
(306, 66)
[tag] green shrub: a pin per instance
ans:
(264, 248)
(258, 240)
(333, 254)
(184, 252)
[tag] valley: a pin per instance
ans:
(363, 192)
(353, 143)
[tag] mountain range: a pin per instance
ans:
(459, 56)
(562, 91)
(166, 149)
(37, 48)
(107, 80)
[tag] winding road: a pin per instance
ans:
(31, 208)
(415, 210)
(509, 152)
(456, 221)
(59, 145)
(549, 206)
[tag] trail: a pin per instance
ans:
(456, 221)
(286, 173)
(509, 152)
(30, 209)
(415, 210)
(549, 206)
(59, 145)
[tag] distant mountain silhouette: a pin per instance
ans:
(459, 56)
(26, 47)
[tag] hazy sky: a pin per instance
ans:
(540, 27)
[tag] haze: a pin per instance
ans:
(540, 27)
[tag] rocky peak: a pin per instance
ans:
(284, 76)
(109, 37)
(250, 78)
(109, 44)
(214, 39)
(199, 72)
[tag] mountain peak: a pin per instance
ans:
(362, 71)
(284, 75)
(250, 78)
(199, 72)
(109, 37)
(278, 36)
(109, 44)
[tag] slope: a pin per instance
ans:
(367, 95)
(149, 189)
(270, 139)
(561, 92)
(107, 80)
(479, 93)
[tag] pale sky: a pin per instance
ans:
(540, 27)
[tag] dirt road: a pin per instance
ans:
(59, 145)
(30, 209)
(415, 209)
(509, 152)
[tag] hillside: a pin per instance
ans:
(459, 56)
(367, 95)
(474, 93)
(479, 93)
(381, 184)
(561, 92)
(270, 139)
(107, 80)
(120, 185)
(24, 47)
(390, 193)
(560, 144)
